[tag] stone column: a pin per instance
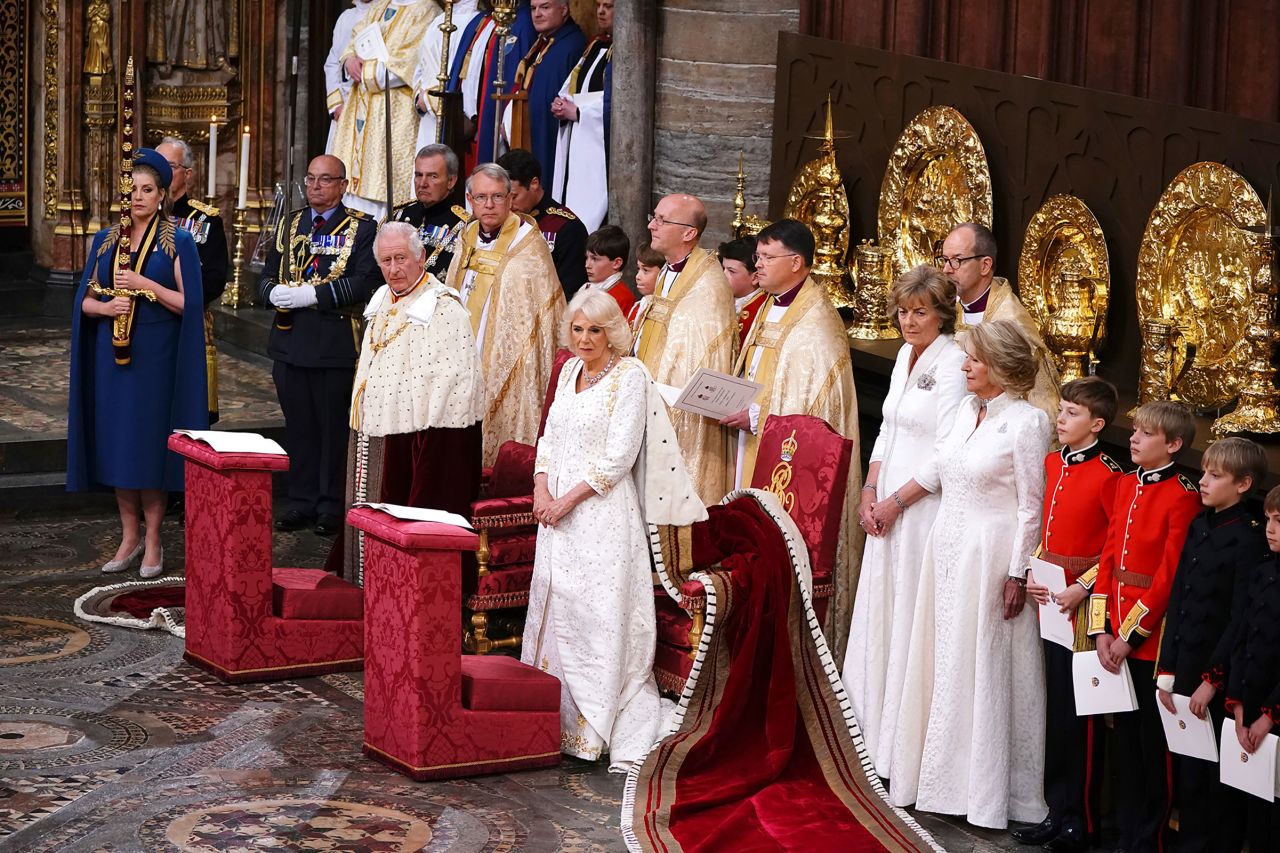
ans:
(635, 39)
(714, 83)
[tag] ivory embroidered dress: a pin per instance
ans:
(970, 733)
(918, 414)
(591, 619)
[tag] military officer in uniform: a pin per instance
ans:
(205, 226)
(319, 273)
(565, 234)
(438, 220)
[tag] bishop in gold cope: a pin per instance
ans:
(503, 269)
(690, 323)
(797, 349)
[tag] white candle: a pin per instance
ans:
(244, 169)
(213, 156)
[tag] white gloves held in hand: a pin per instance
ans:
(291, 298)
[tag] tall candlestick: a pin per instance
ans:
(243, 200)
(213, 156)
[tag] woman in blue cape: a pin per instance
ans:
(134, 382)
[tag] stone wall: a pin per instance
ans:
(715, 77)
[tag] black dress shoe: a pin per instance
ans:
(1037, 834)
(1072, 839)
(294, 520)
(328, 525)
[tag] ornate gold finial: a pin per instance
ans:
(739, 200)
(829, 135)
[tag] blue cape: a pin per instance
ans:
(189, 408)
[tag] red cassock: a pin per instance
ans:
(747, 315)
(1080, 492)
(1153, 511)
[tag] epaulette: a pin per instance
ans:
(358, 214)
(1187, 484)
(206, 209)
(560, 211)
(1112, 465)
(403, 206)
(461, 212)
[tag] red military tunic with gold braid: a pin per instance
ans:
(747, 315)
(1079, 497)
(1153, 511)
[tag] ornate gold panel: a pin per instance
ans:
(1064, 280)
(1195, 267)
(937, 178)
(51, 62)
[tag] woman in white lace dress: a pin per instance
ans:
(591, 619)
(970, 736)
(926, 388)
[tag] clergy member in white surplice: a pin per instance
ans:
(582, 146)
(607, 465)
(418, 394)
(336, 85)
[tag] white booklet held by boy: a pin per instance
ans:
(1186, 733)
(416, 513)
(1055, 626)
(1252, 773)
(233, 442)
(1098, 691)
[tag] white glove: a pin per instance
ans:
(304, 296)
(281, 296)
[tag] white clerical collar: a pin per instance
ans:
(607, 283)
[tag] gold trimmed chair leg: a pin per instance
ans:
(695, 631)
(475, 639)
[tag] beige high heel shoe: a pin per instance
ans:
(110, 567)
(154, 571)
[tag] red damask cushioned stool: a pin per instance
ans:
(245, 620)
(314, 594)
(430, 712)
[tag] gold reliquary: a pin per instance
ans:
(1064, 279)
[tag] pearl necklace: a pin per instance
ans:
(592, 380)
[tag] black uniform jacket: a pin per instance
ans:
(1209, 586)
(205, 226)
(338, 260)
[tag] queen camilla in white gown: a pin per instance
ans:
(970, 736)
(591, 619)
(918, 413)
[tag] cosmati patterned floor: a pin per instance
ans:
(109, 742)
(34, 361)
